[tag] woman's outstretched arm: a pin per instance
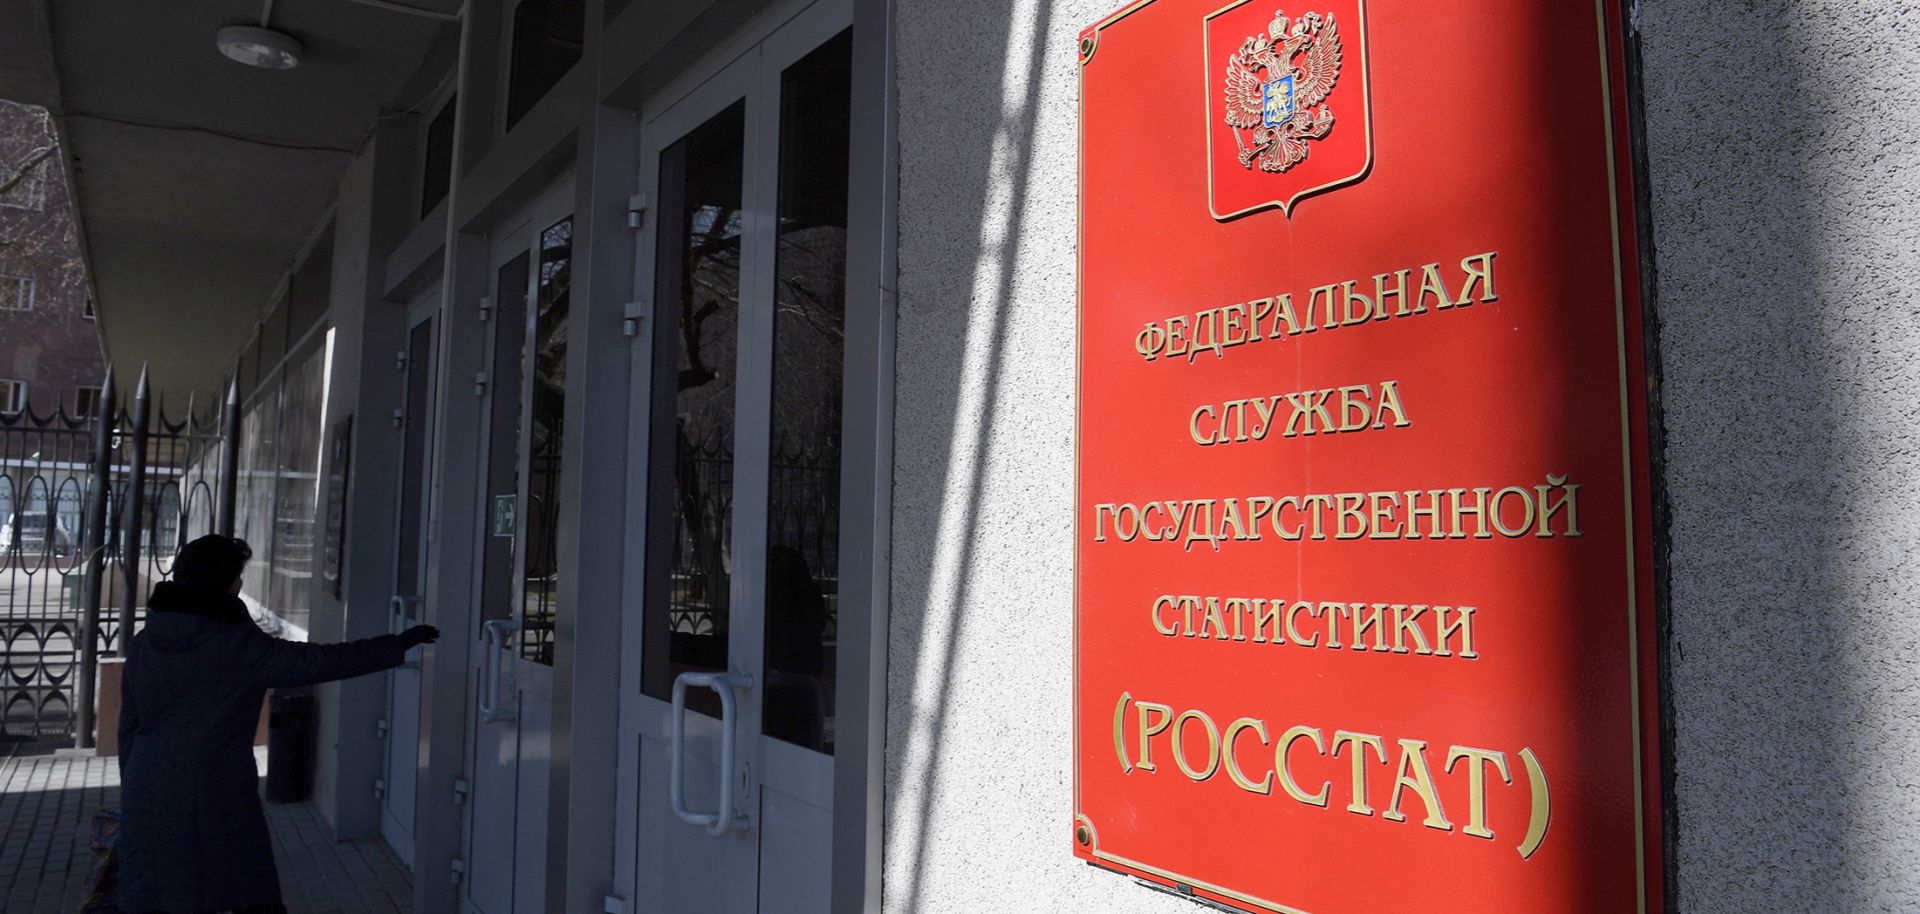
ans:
(280, 664)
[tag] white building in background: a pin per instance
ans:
(736, 338)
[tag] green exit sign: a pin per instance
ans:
(503, 515)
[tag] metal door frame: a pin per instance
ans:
(519, 234)
(747, 66)
(424, 308)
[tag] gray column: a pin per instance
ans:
(375, 210)
(586, 675)
(453, 510)
(866, 471)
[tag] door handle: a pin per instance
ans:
(494, 642)
(724, 819)
(402, 606)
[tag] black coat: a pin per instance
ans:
(193, 837)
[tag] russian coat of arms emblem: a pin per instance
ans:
(1274, 84)
(1277, 88)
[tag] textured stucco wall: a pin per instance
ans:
(979, 680)
(1786, 202)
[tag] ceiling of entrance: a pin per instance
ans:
(198, 178)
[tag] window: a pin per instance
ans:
(86, 402)
(438, 168)
(30, 192)
(13, 396)
(88, 311)
(541, 598)
(546, 40)
(16, 293)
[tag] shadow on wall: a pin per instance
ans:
(967, 201)
(1786, 238)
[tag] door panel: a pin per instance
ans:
(512, 725)
(403, 735)
(796, 859)
(736, 518)
(535, 758)
(688, 621)
(809, 345)
(806, 78)
(512, 762)
(545, 405)
(692, 582)
(682, 868)
(493, 807)
(496, 786)
(403, 684)
(506, 376)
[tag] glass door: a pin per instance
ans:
(736, 521)
(402, 724)
(525, 391)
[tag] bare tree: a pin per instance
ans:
(46, 339)
(29, 156)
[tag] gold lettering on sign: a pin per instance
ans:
(1327, 411)
(1259, 728)
(1360, 742)
(1477, 761)
(1291, 786)
(1413, 774)
(1183, 338)
(1202, 772)
(1473, 513)
(1412, 771)
(1429, 629)
(1542, 806)
(1150, 728)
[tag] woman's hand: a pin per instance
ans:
(420, 634)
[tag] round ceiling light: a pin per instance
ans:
(260, 47)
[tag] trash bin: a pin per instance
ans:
(290, 736)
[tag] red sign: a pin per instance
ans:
(1364, 612)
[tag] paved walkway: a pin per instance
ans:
(47, 805)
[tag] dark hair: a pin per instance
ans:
(212, 562)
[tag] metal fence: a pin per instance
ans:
(803, 519)
(78, 556)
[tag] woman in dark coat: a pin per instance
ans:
(193, 837)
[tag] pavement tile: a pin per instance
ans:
(46, 813)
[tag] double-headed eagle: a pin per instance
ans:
(1285, 109)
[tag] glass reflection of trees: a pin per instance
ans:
(803, 497)
(699, 298)
(696, 347)
(703, 440)
(547, 433)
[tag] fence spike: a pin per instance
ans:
(106, 405)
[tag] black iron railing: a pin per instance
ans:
(78, 556)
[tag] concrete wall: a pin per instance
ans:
(1785, 177)
(346, 315)
(375, 208)
(979, 774)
